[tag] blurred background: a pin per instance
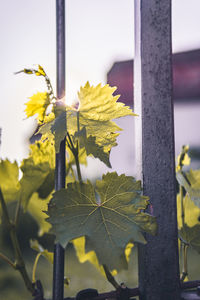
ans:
(99, 48)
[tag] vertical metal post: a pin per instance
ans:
(58, 271)
(158, 259)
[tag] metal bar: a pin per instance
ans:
(58, 271)
(158, 259)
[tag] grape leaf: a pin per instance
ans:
(97, 107)
(110, 216)
(191, 183)
(9, 183)
(34, 176)
(98, 103)
(38, 104)
(37, 175)
(191, 212)
(59, 129)
(36, 208)
(43, 152)
(89, 143)
(191, 236)
(13, 190)
(103, 131)
(79, 245)
(83, 255)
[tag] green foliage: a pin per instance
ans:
(9, 180)
(191, 236)
(188, 205)
(110, 215)
(44, 252)
(90, 146)
(102, 221)
(191, 183)
(38, 104)
(97, 107)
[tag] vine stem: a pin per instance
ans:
(110, 278)
(6, 259)
(19, 263)
(17, 212)
(75, 154)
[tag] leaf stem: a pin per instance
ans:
(182, 206)
(19, 263)
(75, 154)
(185, 264)
(78, 165)
(70, 143)
(72, 172)
(78, 123)
(110, 278)
(35, 267)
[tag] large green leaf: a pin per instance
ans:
(89, 143)
(110, 216)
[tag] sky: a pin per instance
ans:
(98, 32)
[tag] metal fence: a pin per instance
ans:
(158, 260)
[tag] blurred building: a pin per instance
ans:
(186, 77)
(186, 95)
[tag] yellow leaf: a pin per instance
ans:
(98, 103)
(38, 105)
(37, 247)
(128, 250)
(97, 108)
(192, 212)
(41, 70)
(9, 180)
(43, 152)
(79, 245)
(36, 207)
